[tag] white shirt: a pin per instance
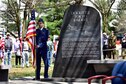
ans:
(41, 28)
(25, 46)
(16, 46)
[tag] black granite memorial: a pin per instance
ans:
(4, 73)
(80, 40)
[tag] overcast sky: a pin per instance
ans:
(2, 6)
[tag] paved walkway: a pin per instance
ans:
(28, 80)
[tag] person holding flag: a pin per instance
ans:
(42, 35)
(37, 39)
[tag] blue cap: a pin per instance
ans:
(41, 20)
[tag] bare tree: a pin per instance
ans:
(121, 11)
(104, 6)
(12, 13)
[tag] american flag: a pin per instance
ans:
(31, 34)
(2, 42)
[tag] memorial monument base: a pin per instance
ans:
(4, 69)
(100, 67)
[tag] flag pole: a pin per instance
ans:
(34, 66)
(20, 33)
(34, 50)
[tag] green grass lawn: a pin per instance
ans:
(0, 61)
(19, 72)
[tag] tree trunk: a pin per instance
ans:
(105, 23)
(24, 21)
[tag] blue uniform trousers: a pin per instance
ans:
(42, 54)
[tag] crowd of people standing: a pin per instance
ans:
(113, 46)
(44, 47)
(12, 48)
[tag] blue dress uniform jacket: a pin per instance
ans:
(41, 51)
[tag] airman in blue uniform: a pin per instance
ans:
(42, 35)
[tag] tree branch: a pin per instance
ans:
(111, 6)
(12, 17)
(94, 4)
(124, 1)
(45, 6)
(11, 33)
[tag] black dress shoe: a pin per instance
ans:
(36, 79)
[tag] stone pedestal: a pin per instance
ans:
(101, 67)
(4, 69)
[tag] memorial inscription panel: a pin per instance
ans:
(80, 40)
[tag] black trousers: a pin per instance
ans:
(42, 55)
(17, 60)
(105, 53)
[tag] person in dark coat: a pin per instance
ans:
(42, 35)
